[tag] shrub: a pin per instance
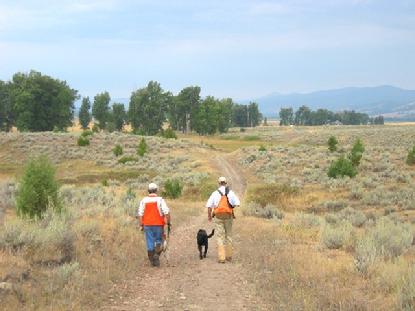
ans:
(386, 240)
(142, 147)
(365, 255)
(332, 143)
(38, 189)
(251, 138)
(126, 159)
(172, 188)
(268, 211)
(356, 218)
(168, 133)
(83, 141)
(304, 220)
(342, 167)
(95, 128)
(337, 235)
(356, 153)
(271, 193)
(117, 150)
(262, 148)
(410, 159)
(87, 133)
(406, 291)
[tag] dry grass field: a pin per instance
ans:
(303, 240)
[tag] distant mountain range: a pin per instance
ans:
(389, 101)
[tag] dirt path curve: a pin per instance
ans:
(184, 282)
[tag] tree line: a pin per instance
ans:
(35, 102)
(305, 116)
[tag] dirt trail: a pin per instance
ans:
(184, 282)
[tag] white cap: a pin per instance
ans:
(152, 186)
(221, 179)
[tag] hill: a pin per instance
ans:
(387, 100)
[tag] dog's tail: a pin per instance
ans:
(211, 235)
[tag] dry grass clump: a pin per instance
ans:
(268, 211)
(304, 220)
(271, 193)
(338, 235)
(386, 240)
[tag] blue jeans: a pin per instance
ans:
(153, 236)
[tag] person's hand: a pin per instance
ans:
(141, 227)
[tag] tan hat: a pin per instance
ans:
(221, 179)
(152, 186)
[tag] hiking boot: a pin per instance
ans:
(159, 249)
(156, 260)
(150, 255)
(221, 254)
(228, 252)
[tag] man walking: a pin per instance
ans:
(220, 205)
(153, 213)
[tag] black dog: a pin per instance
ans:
(203, 240)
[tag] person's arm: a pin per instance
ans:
(210, 205)
(233, 199)
(140, 213)
(166, 211)
(209, 214)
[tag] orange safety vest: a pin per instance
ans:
(224, 207)
(152, 215)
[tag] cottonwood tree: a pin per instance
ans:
(41, 103)
(101, 109)
(286, 116)
(205, 122)
(84, 114)
(184, 107)
(148, 107)
(224, 114)
(254, 116)
(119, 116)
(6, 109)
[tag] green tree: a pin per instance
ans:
(206, 119)
(410, 159)
(332, 143)
(119, 116)
(286, 116)
(254, 116)
(38, 189)
(356, 153)
(240, 115)
(84, 114)
(342, 167)
(148, 108)
(302, 116)
(6, 108)
(142, 147)
(101, 109)
(42, 103)
(224, 114)
(184, 107)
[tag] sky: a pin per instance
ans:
(230, 48)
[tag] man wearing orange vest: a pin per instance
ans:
(220, 205)
(153, 214)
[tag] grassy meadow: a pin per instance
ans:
(307, 241)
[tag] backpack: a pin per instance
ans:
(224, 206)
